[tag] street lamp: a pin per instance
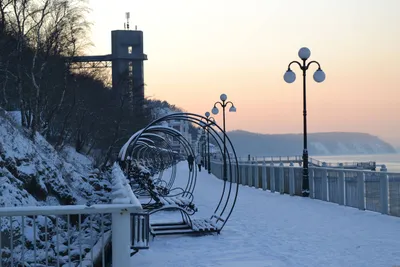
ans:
(289, 77)
(215, 111)
(209, 121)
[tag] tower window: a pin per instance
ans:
(129, 49)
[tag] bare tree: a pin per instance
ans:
(3, 9)
(18, 19)
(69, 43)
(53, 99)
(123, 100)
(41, 29)
(36, 77)
(4, 68)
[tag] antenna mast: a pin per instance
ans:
(127, 16)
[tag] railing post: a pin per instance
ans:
(384, 194)
(234, 180)
(243, 171)
(361, 190)
(221, 173)
(141, 231)
(311, 182)
(281, 178)
(218, 169)
(250, 174)
(256, 179)
(121, 238)
(264, 175)
(121, 221)
(383, 168)
(228, 171)
(272, 175)
(291, 180)
(239, 174)
(324, 181)
(341, 190)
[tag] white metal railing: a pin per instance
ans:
(363, 189)
(367, 165)
(75, 235)
(295, 158)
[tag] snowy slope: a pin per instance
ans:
(36, 174)
(33, 173)
(269, 229)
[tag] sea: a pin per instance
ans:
(392, 161)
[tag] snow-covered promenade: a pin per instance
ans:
(269, 229)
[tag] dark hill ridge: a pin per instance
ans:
(330, 143)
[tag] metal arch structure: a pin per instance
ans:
(146, 161)
(159, 156)
(164, 190)
(167, 160)
(230, 188)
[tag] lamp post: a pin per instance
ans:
(215, 111)
(202, 140)
(199, 141)
(289, 77)
(204, 148)
(208, 140)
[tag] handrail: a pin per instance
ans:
(376, 191)
(314, 162)
(68, 210)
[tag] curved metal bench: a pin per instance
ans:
(142, 147)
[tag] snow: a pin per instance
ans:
(96, 251)
(15, 116)
(320, 148)
(33, 173)
(122, 191)
(30, 234)
(66, 174)
(29, 161)
(265, 229)
(13, 195)
(269, 229)
(82, 163)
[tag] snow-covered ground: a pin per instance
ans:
(33, 173)
(269, 229)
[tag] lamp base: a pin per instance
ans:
(305, 193)
(305, 186)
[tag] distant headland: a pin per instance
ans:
(328, 143)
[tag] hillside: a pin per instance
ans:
(34, 174)
(333, 143)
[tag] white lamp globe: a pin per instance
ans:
(289, 76)
(215, 110)
(207, 114)
(319, 76)
(232, 109)
(304, 53)
(223, 97)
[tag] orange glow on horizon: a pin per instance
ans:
(198, 50)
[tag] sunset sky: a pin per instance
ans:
(200, 49)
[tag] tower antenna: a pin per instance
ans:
(127, 16)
